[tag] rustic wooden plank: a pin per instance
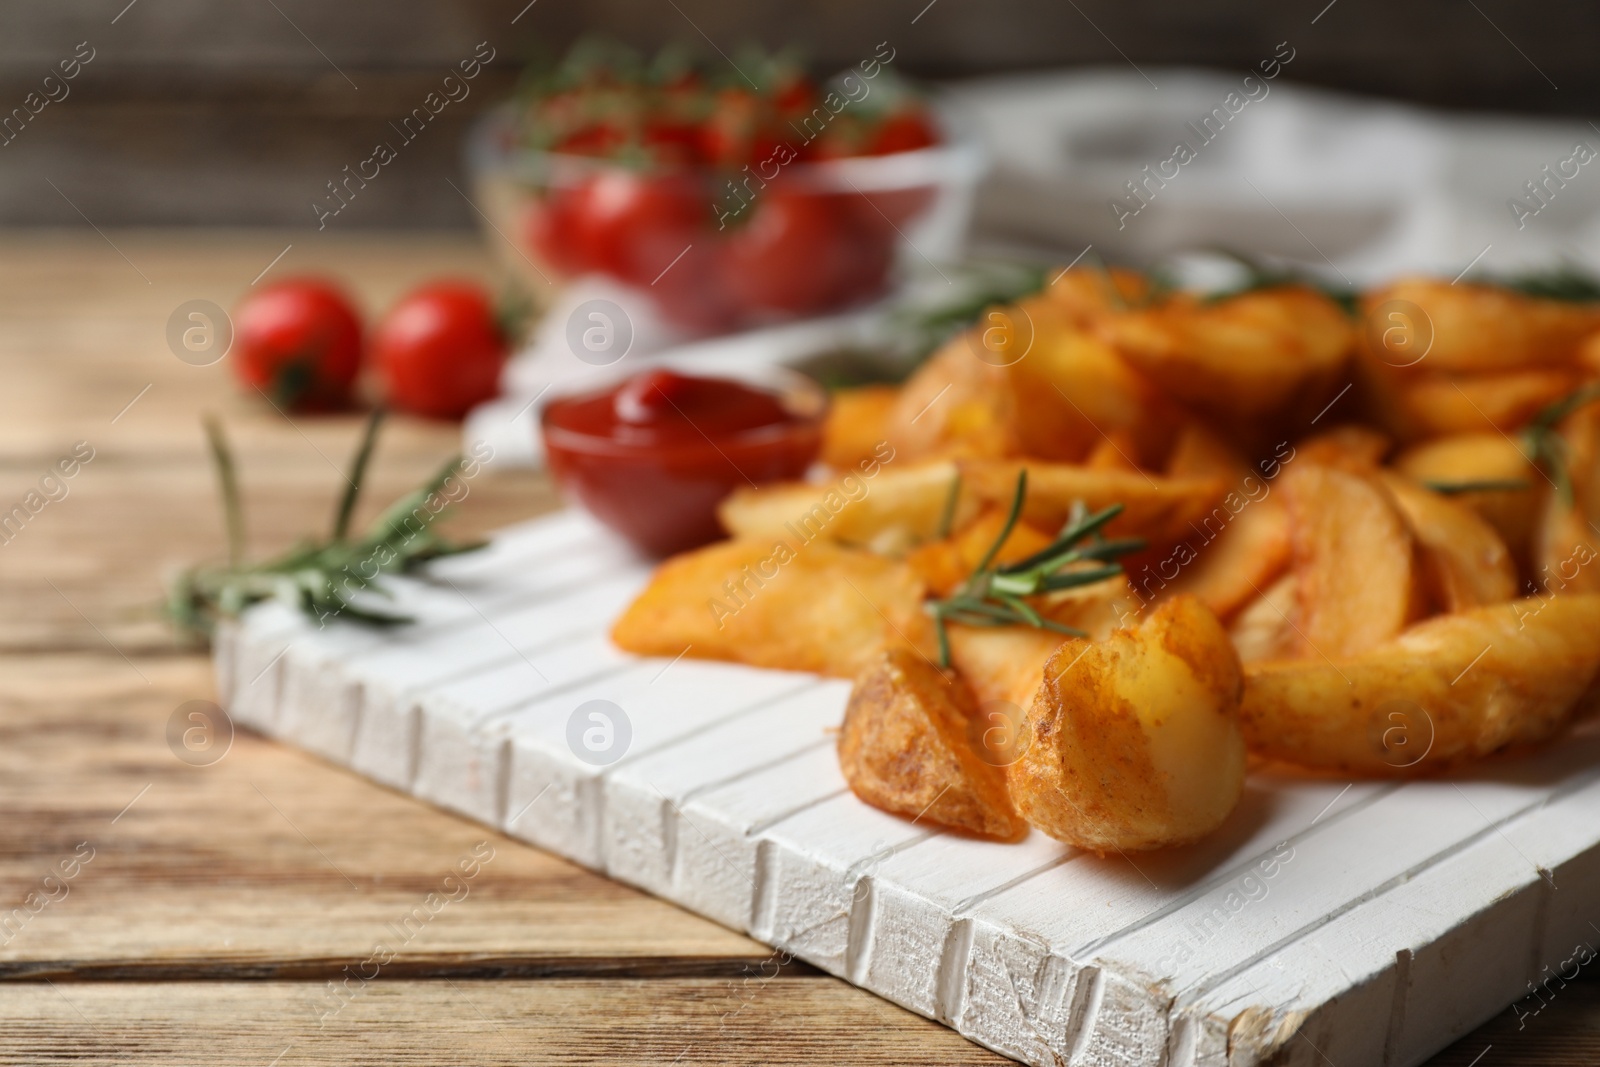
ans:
(749, 1019)
(268, 861)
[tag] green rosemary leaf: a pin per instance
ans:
(1543, 440)
(318, 578)
(1566, 282)
(1077, 528)
(357, 475)
(1485, 485)
(1078, 579)
(1010, 524)
(994, 596)
(228, 487)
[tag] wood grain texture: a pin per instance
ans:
(392, 1021)
(203, 878)
(269, 863)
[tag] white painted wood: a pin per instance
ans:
(1351, 922)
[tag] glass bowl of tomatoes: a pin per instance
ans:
(729, 198)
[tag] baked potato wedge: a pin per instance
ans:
(1242, 356)
(891, 509)
(857, 424)
(1355, 560)
(1435, 405)
(1452, 688)
(1230, 568)
(1160, 510)
(1486, 458)
(912, 742)
(1134, 740)
(1465, 563)
(813, 607)
(1265, 628)
(1467, 328)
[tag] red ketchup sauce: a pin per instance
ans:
(653, 457)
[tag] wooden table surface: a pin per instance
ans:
(209, 909)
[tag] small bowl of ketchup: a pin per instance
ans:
(651, 456)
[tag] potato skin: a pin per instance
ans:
(1135, 741)
(1477, 329)
(1360, 579)
(1455, 687)
(1240, 357)
(906, 747)
(812, 606)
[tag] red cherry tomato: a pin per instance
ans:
(551, 232)
(439, 350)
(790, 255)
(632, 226)
(299, 342)
(904, 131)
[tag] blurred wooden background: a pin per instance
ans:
(205, 112)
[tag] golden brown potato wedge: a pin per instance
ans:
(1355, 558)
(1158, 509)
(908, 746)
(857, 424)
(1466, 328)
(1230, 567)
(1055, 398)
(1073, 393)
(1488, 457)
(1087, 294)
(1134, 740)
(1435, 405)
(1464, 561)
(1359, 449)
(1200, 452)
(955, 405)
(1265, 629)
(1452, 688)
(1002, 664)
(812, 607)
(890, 510)
(1566, 549)
(1567, 544)
(1246, 355)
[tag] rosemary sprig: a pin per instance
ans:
(1547, 448)
(994, 595)
(320, 578)
(921, 324)
(1479, 485)
(1566, 281)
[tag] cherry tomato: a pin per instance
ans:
(791, 254)
(551, 232)
(600, 139)
(299, 342)
(904, 131)
(727, 133)
(439, 350)
(632, 226)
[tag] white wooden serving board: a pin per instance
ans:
(1328, 922)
